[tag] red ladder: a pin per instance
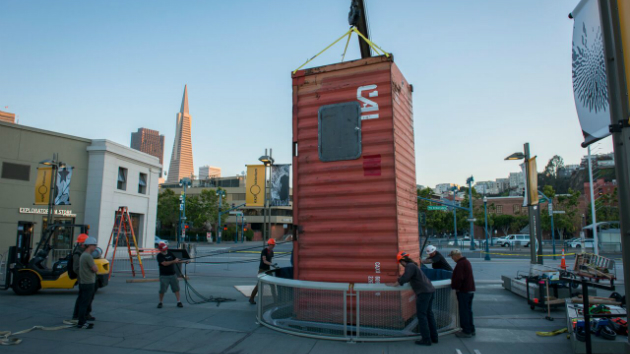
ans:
(123, 224)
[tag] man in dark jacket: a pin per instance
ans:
(463, 283)
(424, 290)
(76, 256)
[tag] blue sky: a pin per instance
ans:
(488, 75)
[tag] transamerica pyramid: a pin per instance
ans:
(182, 157)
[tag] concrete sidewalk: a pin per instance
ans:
(129, 322)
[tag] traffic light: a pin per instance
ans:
(423, 219)
(244, 229)
(224, 227)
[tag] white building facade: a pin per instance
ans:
(119, 176)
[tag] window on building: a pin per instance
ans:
(499, 209)
(122, 179)
(238, 196)
(516, 209)
(524, 210)
(16, 171)
(142, 183)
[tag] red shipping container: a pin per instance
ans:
(354, 198)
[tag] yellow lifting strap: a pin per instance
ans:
(553, 333)
(352, 29)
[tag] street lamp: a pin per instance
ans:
(454, 189)
(221, 194)
(534, 211)
(184, 182)
(268, 161)
(470, 181)
(485, 212)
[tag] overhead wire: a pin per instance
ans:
(189, 290)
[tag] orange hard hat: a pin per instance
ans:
(82, 238)
(271, 241)
(401, 255)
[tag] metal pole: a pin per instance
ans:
(593, 214)
(220, 227)
(485, 212)
(530, 209)
(184, 215)
(470, 213)
(618, 97)
(455, 222)
(553, 235)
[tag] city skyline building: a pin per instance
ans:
(206, 172)
(7, 117)
(149, 141)
(182, 157)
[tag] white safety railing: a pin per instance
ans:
(350, 312)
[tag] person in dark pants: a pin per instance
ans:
(168, 273)
(265, 264)
(463, 283)
(436, 259)
(425, 292)
(76, 260)
(87, 282)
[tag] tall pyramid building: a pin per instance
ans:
(182, 157)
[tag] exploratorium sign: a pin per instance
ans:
(45, 212)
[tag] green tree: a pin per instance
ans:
(168, 210)
(202, 210)
(571, 219)
(504, 222)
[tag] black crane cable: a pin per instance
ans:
(189, 290)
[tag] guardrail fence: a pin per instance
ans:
(349, 312)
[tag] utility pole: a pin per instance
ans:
(618, 98)
(470, 180)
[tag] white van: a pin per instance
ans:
(516, 240)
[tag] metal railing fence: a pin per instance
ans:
(350, 312)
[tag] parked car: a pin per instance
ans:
(159, 240)
(577, 243)
(462, 241)
(515, 240)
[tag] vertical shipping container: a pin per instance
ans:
(354, 193)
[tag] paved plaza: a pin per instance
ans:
(127, 320)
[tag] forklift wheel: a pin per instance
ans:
(25, 283)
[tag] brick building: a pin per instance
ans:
(148, 141)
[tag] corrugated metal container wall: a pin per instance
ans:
(355, 214)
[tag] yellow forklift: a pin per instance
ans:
(26, 275)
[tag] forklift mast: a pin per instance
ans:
(44, 248)
(358, 18)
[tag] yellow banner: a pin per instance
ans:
(255, 186)
(532, 192)
(42, 185)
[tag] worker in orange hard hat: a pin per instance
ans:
(76, 255)
(425, 292)
(265, 264)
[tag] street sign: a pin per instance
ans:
(558, 211)
(550, 209)
(471, 220)
(239, 213)
(437, 207)
(181, 207)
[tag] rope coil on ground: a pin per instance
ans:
(6, 336)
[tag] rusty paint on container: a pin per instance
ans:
(354, 216)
